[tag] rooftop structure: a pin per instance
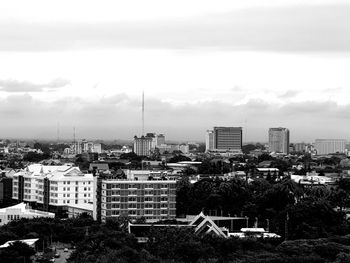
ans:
(19, 211)
(30, 242)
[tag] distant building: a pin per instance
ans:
(50, 188)
(300, 147)
(228, 138)
(224, 139)
(209, 140)
(327, 146)
(279, 140)
(157, 139)
(152, 199)
(84, 146)
(142, 145)
(19, 211)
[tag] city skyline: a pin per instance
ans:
(249, 64)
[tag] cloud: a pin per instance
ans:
(302, 28)
(121, 119)
(289, 94)
(11, 85)
(333, 90)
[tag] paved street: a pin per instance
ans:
(63, 255)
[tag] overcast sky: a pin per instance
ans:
(250, 63)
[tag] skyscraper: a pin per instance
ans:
(142, 145)
(224, 139)
(279, 140)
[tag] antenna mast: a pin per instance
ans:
(58, 132)
(143, 113)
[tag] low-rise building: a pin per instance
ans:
(19, 211)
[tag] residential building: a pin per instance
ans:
(142, 145)
(227, 138)
(51, 188)
(19, 211)
(279, 140)
(327, 146)
(152, 199)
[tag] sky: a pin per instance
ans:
(250, 63)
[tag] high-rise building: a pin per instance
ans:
(227, 138)
(160, 139)
(143, 145)
(209, 140)
(152, 199)
(279, 140)
(327, 146)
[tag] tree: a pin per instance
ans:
(179, 158)
(16, 252)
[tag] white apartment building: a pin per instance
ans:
(327, 146)
(19, 211)
(51, 187)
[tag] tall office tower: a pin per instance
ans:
(152, 199)
(279, 140)
(227, 138)
(157, 139)
(160, 139)
(209, 140)
(326, 146)
(142, 145)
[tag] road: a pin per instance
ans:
(63, 255)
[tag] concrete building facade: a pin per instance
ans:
(142, 145)
(227, 138)
(52, 187)
(152, 199)
(327, 146)
(279, 140)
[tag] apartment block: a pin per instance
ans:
(52, 187)
(152, 199)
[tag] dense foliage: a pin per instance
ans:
(310, 212)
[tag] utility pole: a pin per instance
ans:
(267, 225)
(286, 227)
